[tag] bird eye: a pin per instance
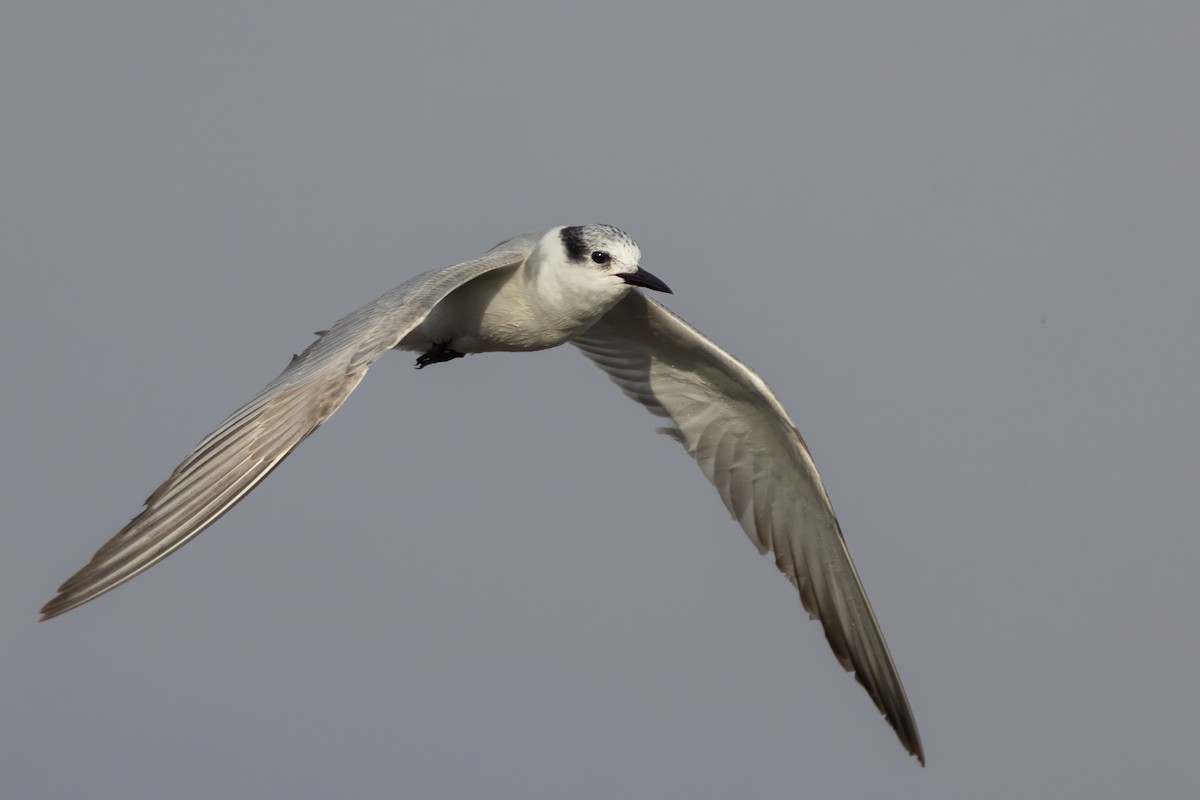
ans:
(601, 257)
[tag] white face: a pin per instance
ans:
(603, 254)
(602, 247)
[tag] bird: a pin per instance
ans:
(576, 284)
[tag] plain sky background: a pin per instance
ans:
(958, 239)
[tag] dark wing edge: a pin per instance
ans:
(731, 423)
(239, 454)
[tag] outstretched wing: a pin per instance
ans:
(730, 422)
(232, 460)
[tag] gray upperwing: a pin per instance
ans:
(234, 458)
(730, 422)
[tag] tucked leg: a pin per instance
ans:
(437, 354)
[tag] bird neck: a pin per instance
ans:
(563, 301)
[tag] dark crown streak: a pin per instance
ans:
(573, 241)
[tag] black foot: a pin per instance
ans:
(437, 354)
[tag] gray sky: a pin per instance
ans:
(959, 242)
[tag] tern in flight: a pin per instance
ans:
(573, 284)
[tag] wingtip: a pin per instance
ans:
(910, 738)
(50, 610)
(60, 604)
(911, 741)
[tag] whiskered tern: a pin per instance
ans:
(574, 285)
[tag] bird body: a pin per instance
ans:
(572, 284)
(544, 301)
